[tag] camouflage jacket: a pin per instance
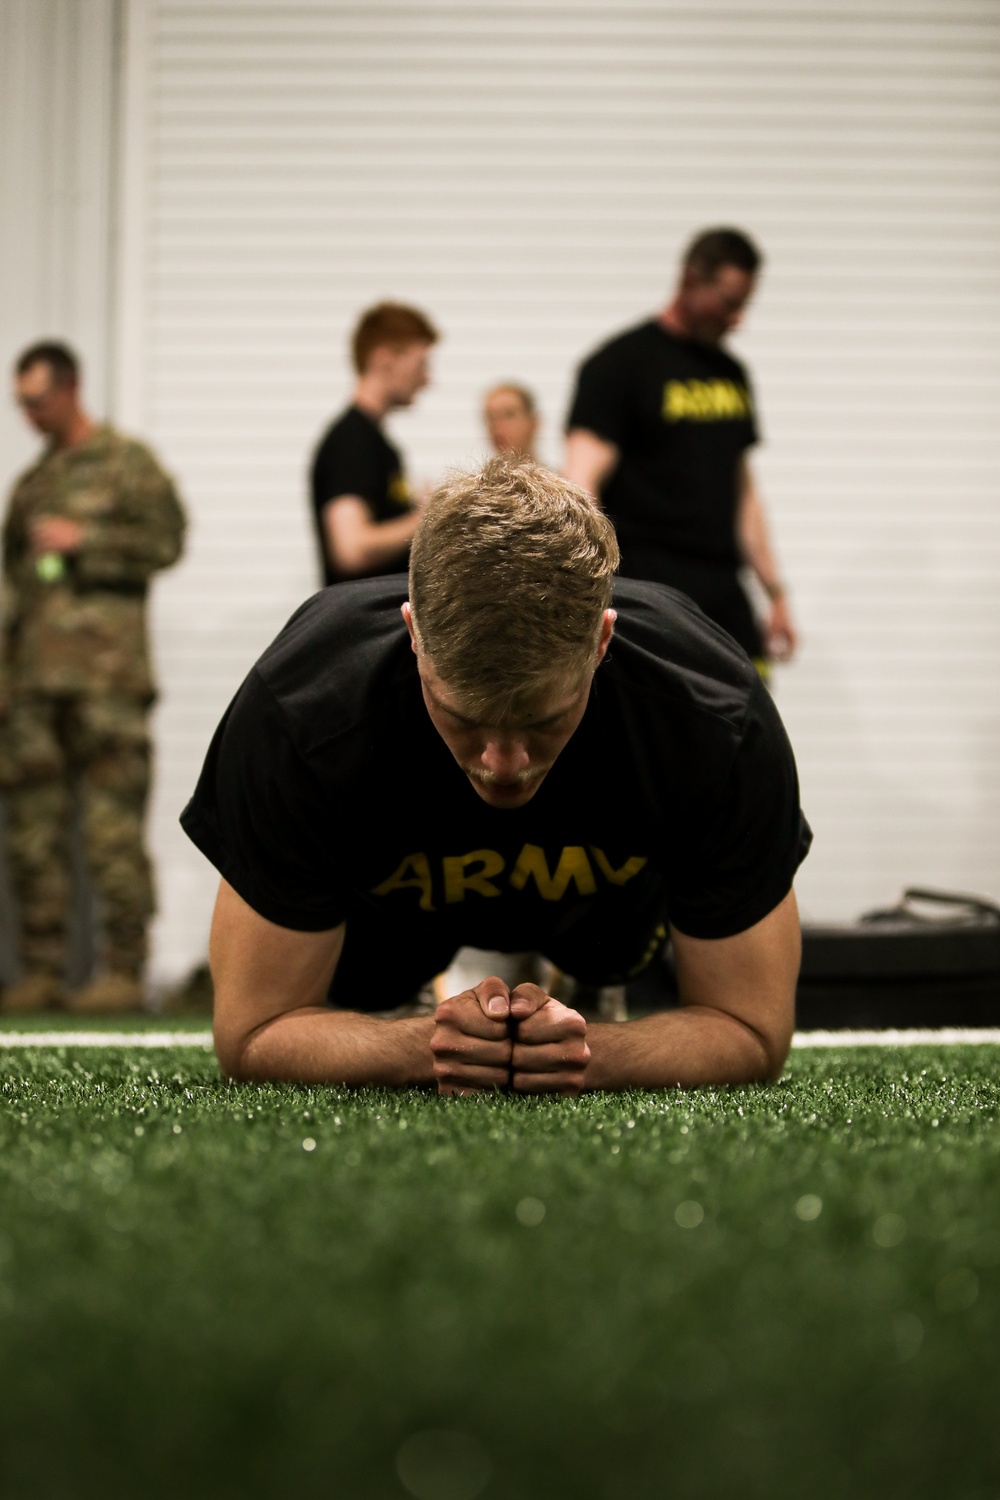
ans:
(78, 624)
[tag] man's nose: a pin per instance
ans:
(505, 756)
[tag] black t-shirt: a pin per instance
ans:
(356, 458)
(327, 794)
(681, 414)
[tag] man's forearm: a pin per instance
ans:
(753, 537)
(683, 1048)
(356, 543)
(589, 460)
(318, 1045)
(383, 540)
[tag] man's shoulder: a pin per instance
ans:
(651, 341)
(131, 453)
(351, 428)
(337, 657)
(631, 342)
(117, 455)
(665, 647)
(129, 448)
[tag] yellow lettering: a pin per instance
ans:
(704, 400)
(701, 399)
(624, 872)
(675, 401)
(730, 399)
(573, 866)
(458, 878)
(399, 490)
(414, 871)
(723, 396)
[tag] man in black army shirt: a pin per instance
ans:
(364, 513)
(660, 427)
(504, 761)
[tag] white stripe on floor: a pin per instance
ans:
(918, 1036)
(105, 1039)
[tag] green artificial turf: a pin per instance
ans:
(221, 1291)
(138, 1021)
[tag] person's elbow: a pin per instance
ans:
(775, 1050)
(349, 557)
(232, 1048)
(240, 1041)
(772, 1041)
(771, 1015)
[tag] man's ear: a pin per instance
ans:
(407, 614)
(607, 631)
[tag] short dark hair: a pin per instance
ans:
(392, 324)
(60, 358)
(712, 249)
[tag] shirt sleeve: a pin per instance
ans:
(143, 531)
(752, 841)
(261, 817)
(347, 464)
(603, 401)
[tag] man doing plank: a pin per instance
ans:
(507, 760)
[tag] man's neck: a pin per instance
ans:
(79, 430)
(371, 397)
(673, 320)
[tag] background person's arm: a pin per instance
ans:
(754, 542)
(356, 544)
(141, 531)
(271, 1019)
(590, 460)
(735, 1021)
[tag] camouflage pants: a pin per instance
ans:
(100, 748)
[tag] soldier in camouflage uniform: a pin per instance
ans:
(85, 528)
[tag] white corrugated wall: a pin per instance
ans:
(58, 83)
(528, 173)
(58, 86)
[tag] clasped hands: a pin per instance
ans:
(493, 1037)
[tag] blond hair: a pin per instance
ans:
(510, 574)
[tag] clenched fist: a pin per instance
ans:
(491, 1037)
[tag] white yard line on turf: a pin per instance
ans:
(917, 1036)
(105, 1039)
